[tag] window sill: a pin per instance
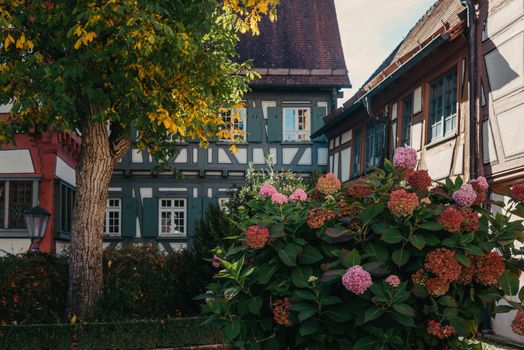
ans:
(296, 142)
(171, 237)
(112, 237)
(441, 140)
(13, 233)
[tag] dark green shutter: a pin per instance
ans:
(207, 202)
(255, 124)
(274, 124)
(194, 214)
(150, 217)
(317, 121)
(128, 217)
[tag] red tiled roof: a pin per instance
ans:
(304, 37)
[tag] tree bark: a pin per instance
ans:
(98, 156)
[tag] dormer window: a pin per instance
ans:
(297, 124)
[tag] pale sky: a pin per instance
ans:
(370, 30)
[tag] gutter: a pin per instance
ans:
(473, 76)
(416, 58)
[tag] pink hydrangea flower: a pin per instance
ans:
(356, 279)
(279, 198)
(267, 190)
(481, 183)
(465, 196)
(216, 262)
(298, 195)
(393, 281)
(405, 158)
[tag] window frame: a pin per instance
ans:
(356, 160)
(306, 132)
(5, 198)
(406, 119)
(172, 210)
(59, 207)
(374, 137)
(113, 209)
(448, 83)
(232, 125)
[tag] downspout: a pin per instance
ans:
(473, 76)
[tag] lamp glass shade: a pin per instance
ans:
(36, 220)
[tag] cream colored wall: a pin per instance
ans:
(14, 245)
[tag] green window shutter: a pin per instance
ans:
(274, 124)
(255, 124)
(194, 214)
(128, 217)
(317, 121)
(206, 202)
(150, 217)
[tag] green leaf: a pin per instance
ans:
(255, 305)
(298, 307)
(232, 329)
(373, 313)
(308, 327)
(400, 257)
(521, 294)
(277, 231)
(330, 300)
(404, 309)
(502, 309)
(417, 241)
(265, 273)
(340, 313)
(392, 235)
(509, 282)
(431, 226)
(336, 232)
(474, 250)
(349, 258)
(448, 301)
(310, 255)
(371, 212)
(366, 343)
(404, 320)
(305, 294)
(332, 275)
(376, 252)
(288, 255)
(305, 314)
(464, 260)
(299, 277)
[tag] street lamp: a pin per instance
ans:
(36, 220)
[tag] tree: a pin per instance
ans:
(104, 68)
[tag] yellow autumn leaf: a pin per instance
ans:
(20, 42)
(8, 41)
(78, 43)
(233, 149)
(30, 44)
(73, 319)
(78, 31)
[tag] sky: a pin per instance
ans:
(370, 30)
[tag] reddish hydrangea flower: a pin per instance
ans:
(402, 203)
(437, 330)
(328, 184)
(465, 195)
(490, 269)
(16, 298)
(419, 277)
(405, 158)
(467, 272)
(481, 183)
(393, 281)
(442, 262)
(451, 218)
(471, 220)
(517, 192)
(358, 189)
(318, 216)
(257, 236)
(437, 286)
(298, 195)
(278, 198)
(517, 325)
(267, 190)
(419, 180)
(345, 209)
(357, 280)
(281, 312)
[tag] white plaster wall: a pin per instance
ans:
(345, 164)
(511, 125)
(306, 157)
(16, 161)
(489, 151)
(65, 172)
(438, 161)
(322, 156)
(14, 245)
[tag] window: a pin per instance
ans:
(407, 111)
(223, 204)
(235, 123)
(374, 144)
(393, 143)
(113, 219)
(172, 215)
(15, 197)
(355, 164)
(296, 124)
(64, 209)
(443, 106)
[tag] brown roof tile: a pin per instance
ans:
(305, 36)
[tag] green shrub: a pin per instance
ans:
(385, 263)
(33, 288)
(117, 335)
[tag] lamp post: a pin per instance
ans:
(36, 220)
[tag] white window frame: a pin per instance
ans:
(107, 219)
(296, 134)
(232, 125)
(172, 209)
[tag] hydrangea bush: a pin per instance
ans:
(384, 263)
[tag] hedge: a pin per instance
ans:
(110, 335)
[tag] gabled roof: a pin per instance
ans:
(302, 47)
(443, 21)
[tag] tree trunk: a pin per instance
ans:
(93, 174)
